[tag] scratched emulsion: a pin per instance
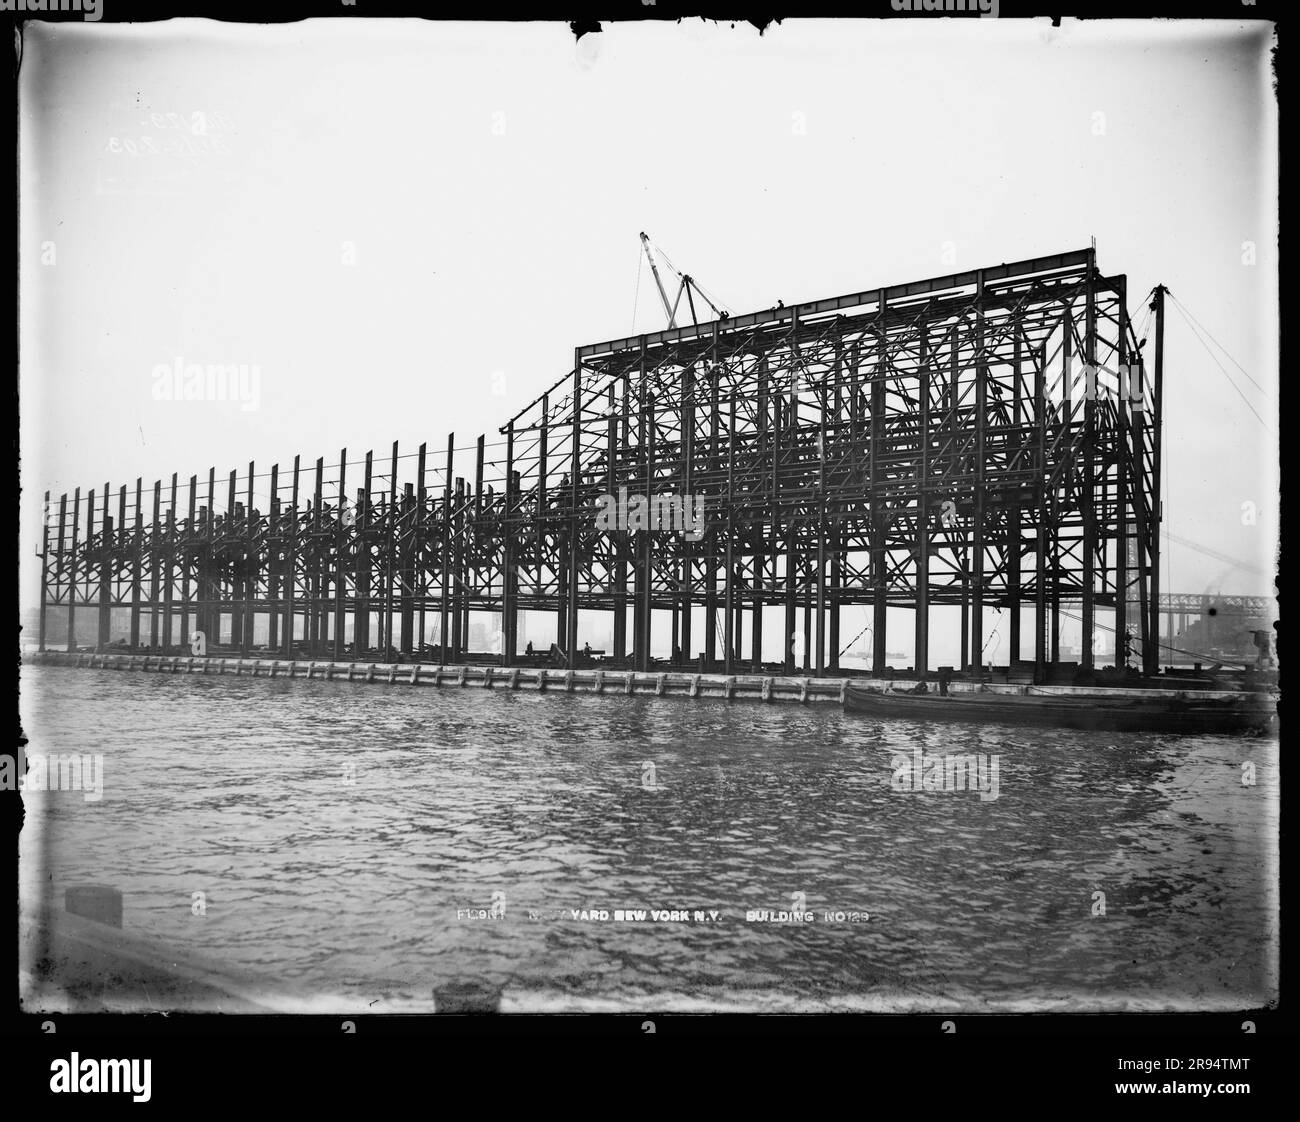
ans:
(336, 830)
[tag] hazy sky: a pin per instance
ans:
(408, 226)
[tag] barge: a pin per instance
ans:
(1201, 711)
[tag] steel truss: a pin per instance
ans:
(987, 440)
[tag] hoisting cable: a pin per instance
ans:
(1222, 369)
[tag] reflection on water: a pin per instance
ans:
(336, 830)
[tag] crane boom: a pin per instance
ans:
(687, 286)
(669, 312)
(1215, 554)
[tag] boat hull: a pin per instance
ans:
(1111, 714)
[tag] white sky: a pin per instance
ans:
(818, 159)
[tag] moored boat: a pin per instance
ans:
(1178, 712)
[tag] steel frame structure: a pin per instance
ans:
(967, 441)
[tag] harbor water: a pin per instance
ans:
(361, 847)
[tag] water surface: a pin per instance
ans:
(335, 830)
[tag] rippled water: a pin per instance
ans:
(336, 829)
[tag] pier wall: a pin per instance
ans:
(735, 687)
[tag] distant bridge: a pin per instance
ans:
(1224, 618)
(1191, 603)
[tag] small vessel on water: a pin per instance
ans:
(1190, 712)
